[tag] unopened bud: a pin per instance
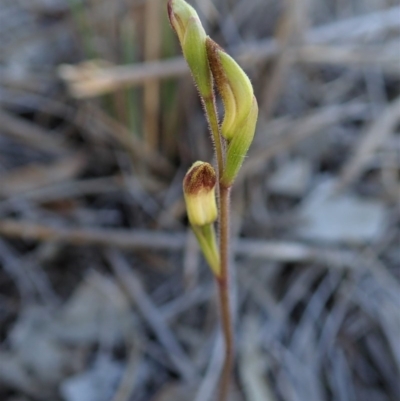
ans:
(199, 192)
(234, 87)
(192, 37)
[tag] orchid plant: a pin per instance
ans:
(211, 67)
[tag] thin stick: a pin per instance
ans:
(224, 293)
(152, 315)
(109, 79)
(278, 251)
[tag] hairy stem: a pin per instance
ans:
(211, 111)
(224, 293)
(223, 277)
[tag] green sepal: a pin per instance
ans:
(194, 50)
(239, 145)
(192, 37)
(206, 239)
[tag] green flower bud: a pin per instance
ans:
(199, 192)
(234, 87)
(192, 37)
(241, 109)
(239, 145)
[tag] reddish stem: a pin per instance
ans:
(224, 293)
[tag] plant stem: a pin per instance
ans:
(224, 276)
(211, 112)
(224, 293)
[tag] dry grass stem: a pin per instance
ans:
(110, 79)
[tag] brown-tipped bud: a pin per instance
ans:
(192, 37)
(199, 192)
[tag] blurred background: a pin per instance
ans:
(104, 295)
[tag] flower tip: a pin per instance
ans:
(200, 177)
(213, 46)
(213, 54)
(179, 13)
(174, 18)
(187, 25)
(169, 9)
(199, 191)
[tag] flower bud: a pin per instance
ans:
(234, 87)
(192, 37)
(199, 192)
